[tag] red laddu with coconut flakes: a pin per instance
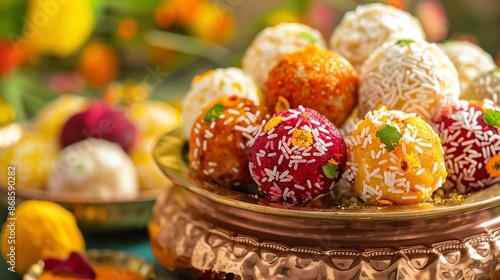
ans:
(297, 156)
(470, 134)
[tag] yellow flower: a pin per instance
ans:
(301, 137)
(410, 162)
(6, 113)
(211, 23)
(493, 166)
(58, 27)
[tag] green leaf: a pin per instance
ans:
(389, 135)
(308, 36)
(214, 112)
(496, 70)
(11, 20)
(330, 170)
(492, 117)
(12, 89)
(405, 41)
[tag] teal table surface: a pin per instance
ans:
(136, 243)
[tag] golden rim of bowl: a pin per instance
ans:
(169, 155)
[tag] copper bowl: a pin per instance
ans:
(209, 228)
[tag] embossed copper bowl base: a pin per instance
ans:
(196, 225)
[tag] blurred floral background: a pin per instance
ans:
(129, 50)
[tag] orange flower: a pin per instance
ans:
(98, 64)
(332, 161)
(127, 29)
(186, 10)
(400, 4)
(493, 166)
(272, 123)
(281, 105)
(165, 15)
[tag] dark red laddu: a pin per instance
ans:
(101, 121)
